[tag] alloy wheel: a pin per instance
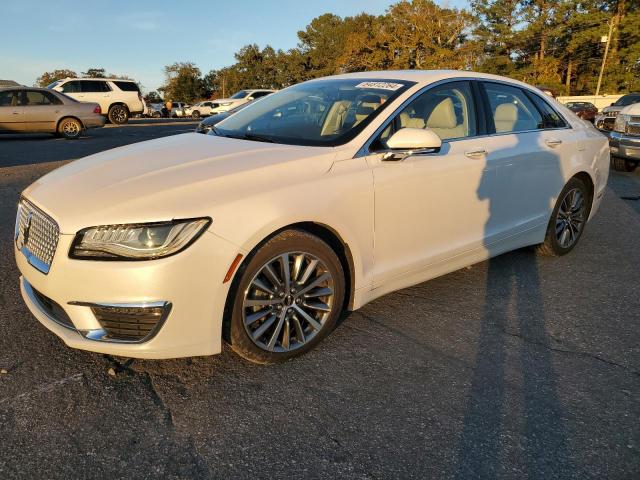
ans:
(570, 219)
(288, 302)
(71, 129)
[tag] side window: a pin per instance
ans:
(93, 86)
(259, 94)
(511, 109)
(8, 98)
(34, 98)
(71, 87)
(550, 118)
(126, 86)
(447, 109)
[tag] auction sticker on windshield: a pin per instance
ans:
(380, 85)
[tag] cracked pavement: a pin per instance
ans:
(519, 367)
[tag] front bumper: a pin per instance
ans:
(624, 146)
(191, 282)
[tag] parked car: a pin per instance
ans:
(320, 197)
(154, 110)
(118, 99)
(208, 123)
(238, 98)
(607, 118)
(624, 140)
(32, 110)
(584, 110)
(178, 109)
(201, 109)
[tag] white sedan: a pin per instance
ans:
(318, 198)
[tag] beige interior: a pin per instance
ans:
(505, 117)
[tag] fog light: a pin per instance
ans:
(126, 322)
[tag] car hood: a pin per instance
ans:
(611, 109)
(181, 176)
(633, 109)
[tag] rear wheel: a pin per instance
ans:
(568, 219)
(70, 128)
(118, 114)
(289, 298)
(623, 165)
(195, 114)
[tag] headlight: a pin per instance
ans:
(143, 241)
(621, 123)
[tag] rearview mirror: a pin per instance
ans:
(412, 141)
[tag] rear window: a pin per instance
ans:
(127, 86)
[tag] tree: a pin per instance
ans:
(49, 77)
(153, 97)
(94, 73)
(183, 82)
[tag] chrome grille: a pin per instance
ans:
(36, 235)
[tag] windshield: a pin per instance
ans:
(240, 94)
(326, 112)
(51, 85)
(627, 100)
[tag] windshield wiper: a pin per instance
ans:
(256, 137)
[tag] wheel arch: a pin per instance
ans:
(122, 104)
(585, 177)
(326, 233)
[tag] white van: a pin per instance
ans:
(118, 99)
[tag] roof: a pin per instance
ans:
(100, 78)
(8, 83)
(425, 76)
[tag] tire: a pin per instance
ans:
(195, 114)
(568, 219)
(285, 322)
(118, 114)
(70, 128)
(156, 115)
(623, 165)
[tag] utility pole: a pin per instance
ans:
(604, 58)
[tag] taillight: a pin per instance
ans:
(97, 110)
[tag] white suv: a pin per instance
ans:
(118, 99)
(243, 96)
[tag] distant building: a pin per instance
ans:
(8, 83)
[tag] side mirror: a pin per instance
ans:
(411, 141)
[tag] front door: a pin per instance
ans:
(427, 207)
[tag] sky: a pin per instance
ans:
(138, 38)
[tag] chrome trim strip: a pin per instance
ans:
(34, 261)
(32, 296)
(100, 335)
(364, 150)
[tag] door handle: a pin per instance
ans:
(480, 152)
(553, 142)
(16, 113)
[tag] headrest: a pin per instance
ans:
(506, 112)
(505, 117)
(443, 116)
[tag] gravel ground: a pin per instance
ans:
(520, 367)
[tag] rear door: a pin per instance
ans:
(97, 91)
(528, 159)
(41, 110)
(11, 111)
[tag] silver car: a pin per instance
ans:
(31, 110)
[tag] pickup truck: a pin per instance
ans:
(624, 139)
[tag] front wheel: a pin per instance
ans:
(623, 165)
(288, 298)
(195, 114)
(568, 219)
(118, 114)
(70, 128)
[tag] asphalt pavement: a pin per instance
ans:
(519, 367)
